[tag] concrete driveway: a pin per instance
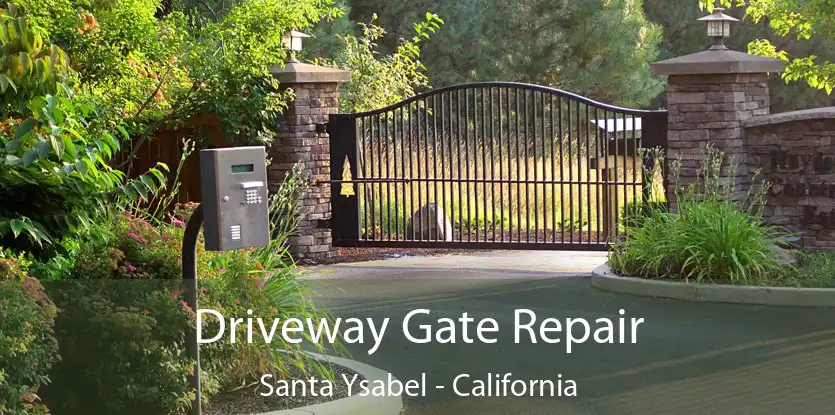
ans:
(689, 358)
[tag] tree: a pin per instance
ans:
(596, 48)
(684, 34)
(55, 172)
(155, 63)
(378, 81)
(798, 19)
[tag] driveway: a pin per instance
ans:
(689, 358)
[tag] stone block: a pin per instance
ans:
(429, 223)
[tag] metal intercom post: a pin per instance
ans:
(234, 212)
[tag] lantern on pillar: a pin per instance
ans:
(292, 41)
(718, 27)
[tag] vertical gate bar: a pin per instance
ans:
(467, 161)
(561, 141)
(597, 194)
(379, 183)
(492, 116)
(615, 176)
(525, 162)
(579, 177)
(443, 163)
(553, 169)
(625, 166)
(544, 175)
(409, 119)
(460, 156)
(475, 163)
(403, 172)
(372, 175)
(397, 175)
(449, 165)
(450, 154)
(634, 166)
(509, 166)
(570, 162)
(518, 172)
(425, 176)
(385, 122)
(435, 163)
(484, 131)
(368, 195)
(501, 159)
(535, 171)
(606, 199)
(588, 174)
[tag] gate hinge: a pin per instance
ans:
(321, 128)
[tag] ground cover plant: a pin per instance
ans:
(123, 328)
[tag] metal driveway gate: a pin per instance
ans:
(491, 165)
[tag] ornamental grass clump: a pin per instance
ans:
(715, 232)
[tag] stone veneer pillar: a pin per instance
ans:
(709, 96)
(316, 97)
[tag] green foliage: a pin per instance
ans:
(713, 235)
(52, 149)
(799, 19)
(152, 64)
(598, 48)
(28, 348)
(28, 66)
(53, 156)
(126, 319)
(377, 81)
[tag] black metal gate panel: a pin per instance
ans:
(492, 165)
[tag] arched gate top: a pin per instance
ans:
(517, 85)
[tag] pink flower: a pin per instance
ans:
(179, 260)
(131, 268)
(176, 293)
(238, 302)
(146, 312)
(132, 235)
(177, 222)
(35, 363)
(223, 270)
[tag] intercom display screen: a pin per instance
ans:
(243, 168)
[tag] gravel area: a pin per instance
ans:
(346, 255)
(248, 401)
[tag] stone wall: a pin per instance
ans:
(298, 141)
(708, 108)
(796, 152)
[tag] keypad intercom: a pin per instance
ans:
(234, 197)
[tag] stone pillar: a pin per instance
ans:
(316, 97)
(709, 96)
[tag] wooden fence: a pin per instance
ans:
(167, 147)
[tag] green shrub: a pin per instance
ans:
(714, 234)
(122, 342)
(28, 348)
(123, 332)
